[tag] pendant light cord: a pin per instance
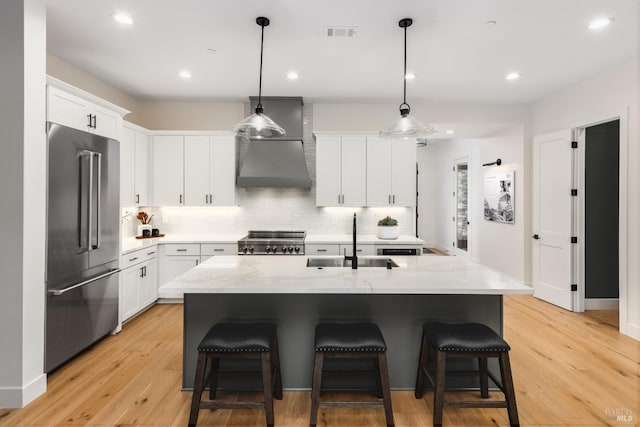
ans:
(260, 82)
(404, 76)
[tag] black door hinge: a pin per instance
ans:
(574, 192)
(574, 144)
(574, 288)
(574, 239)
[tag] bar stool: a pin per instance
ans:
(237, 341)
(465, 340)
(351, 341)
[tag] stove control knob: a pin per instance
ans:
(250, 249)
(267, 249)
(245, 249)
(290, 249)
(297, 249)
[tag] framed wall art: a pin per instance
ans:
(499, 201)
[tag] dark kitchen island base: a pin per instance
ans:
(400, 318)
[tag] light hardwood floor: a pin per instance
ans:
(569, 370)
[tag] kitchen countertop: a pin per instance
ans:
(361, 239)
(289, 275)
(130, 244)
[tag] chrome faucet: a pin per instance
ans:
(353, 257)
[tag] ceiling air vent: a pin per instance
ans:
(342, 31)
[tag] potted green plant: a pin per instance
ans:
(388, 228)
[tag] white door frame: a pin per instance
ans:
(455, 251)
(622, 207)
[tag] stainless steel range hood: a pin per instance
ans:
(277, 162)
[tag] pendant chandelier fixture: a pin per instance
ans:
(407, 126)
(258, 125)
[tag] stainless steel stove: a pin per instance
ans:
(272, 243)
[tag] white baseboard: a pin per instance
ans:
(601, 304)
(19, 397)
(633, 331)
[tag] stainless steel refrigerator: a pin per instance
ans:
(82, 241)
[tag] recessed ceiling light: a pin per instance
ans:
(450, 131)
(410, 76)
(599, 23)
(185, 74)
(211, 50)
(513, 76)
(122, 18)
(292, 75)
(491, 23)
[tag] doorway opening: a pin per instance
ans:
(461, 209)
(601, 216)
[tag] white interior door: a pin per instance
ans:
(553, 258)
(461, 221)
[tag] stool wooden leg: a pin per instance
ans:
(275, 359)
(383, 373)
(317, 385)
(509, 392)
(213, 378)
(267, 386)
(438, 392)
(198, 386)
(484, 378)
(422, 365)
(376, 367)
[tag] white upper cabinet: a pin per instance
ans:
(168, 170)
(209, 165)
(134, 161)
(391, 172)
(341, 165)
(72, 107)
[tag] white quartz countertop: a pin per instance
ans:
(131, 243)
(366, 239)
(289, 275)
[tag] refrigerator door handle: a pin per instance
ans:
(84, 242)
(98, 210)
(57, 292)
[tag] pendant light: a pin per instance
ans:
(407, 126)
(258, 125)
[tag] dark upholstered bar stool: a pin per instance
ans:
(237, 341)
(352, 341)
(465, 340)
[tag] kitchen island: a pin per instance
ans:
(296, 297)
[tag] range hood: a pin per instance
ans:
(277, 162)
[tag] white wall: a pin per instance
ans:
(23, 195)
(500, 246)
(602, 97)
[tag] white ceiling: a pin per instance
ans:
(457, 57)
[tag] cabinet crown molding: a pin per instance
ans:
(52, 81)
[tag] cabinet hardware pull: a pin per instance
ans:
(389, 198)
(197, 261)
(181, 199)
(151, 253)
(145, 271)
(211, 198)
(218, 250)
(322, 250)
(206, 199)
(394, 199)
(89, 117)
(137, 199)
(181, 250)
(133, 259)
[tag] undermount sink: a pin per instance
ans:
(341, 262)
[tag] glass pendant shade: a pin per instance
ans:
(258, 126)
(407, 127)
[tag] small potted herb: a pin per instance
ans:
(388, 228)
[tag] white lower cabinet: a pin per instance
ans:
(322, 249)
(177, 259)
(139, 281)
(360, 249)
